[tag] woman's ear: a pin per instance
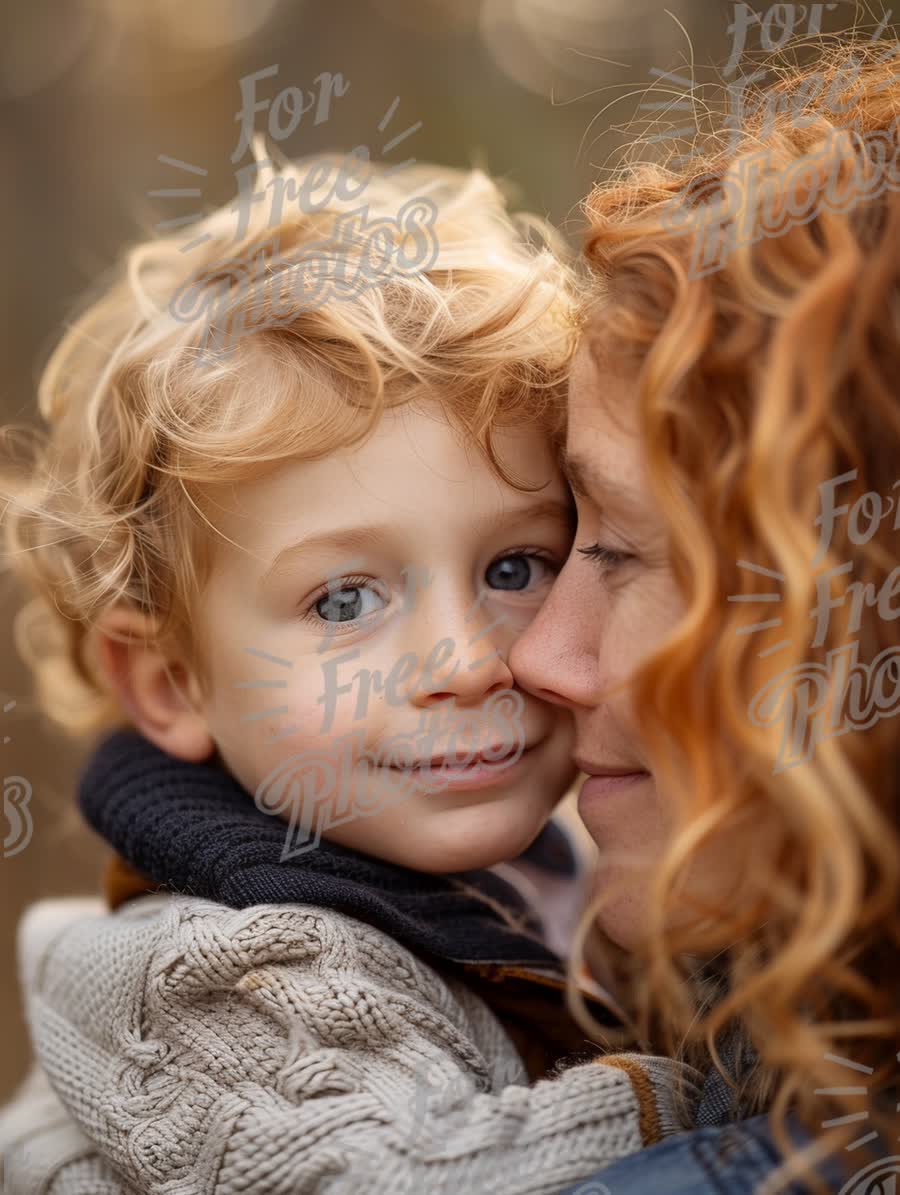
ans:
(161, 696)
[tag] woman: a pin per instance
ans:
(734, 449)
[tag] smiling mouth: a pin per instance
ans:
(487, 757)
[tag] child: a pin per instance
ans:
(285, 549)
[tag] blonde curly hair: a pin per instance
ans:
(761, 374)
(108, 506)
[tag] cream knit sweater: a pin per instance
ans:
(186, 1048)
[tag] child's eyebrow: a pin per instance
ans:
(354, 539)
(546, 508)
(349, 539)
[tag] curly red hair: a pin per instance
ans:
(753, 298)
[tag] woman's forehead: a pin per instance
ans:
(602, 446)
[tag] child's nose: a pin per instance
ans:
(467, 668)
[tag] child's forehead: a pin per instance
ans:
(417, 473)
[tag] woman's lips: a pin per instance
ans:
(605, 784)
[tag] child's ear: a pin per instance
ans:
(158, 692)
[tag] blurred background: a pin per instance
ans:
(104, 103)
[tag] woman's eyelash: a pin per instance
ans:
(607, 557)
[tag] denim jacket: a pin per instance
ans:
(726, 1159)
(726, 1154)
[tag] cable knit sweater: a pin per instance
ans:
(188, 1047)
(321, 1023)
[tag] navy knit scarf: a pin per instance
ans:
(192, 828)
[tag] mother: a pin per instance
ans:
(734, 450)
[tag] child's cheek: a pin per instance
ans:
(310, 775)
(325, 707)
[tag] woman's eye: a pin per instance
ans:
(606, 557)
(517, 572)
(348, 604)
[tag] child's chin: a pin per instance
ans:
(477, 846)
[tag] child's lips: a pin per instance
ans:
(485, 768)
(459, 760)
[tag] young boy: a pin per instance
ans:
(285, 549)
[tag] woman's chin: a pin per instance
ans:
(623, 921)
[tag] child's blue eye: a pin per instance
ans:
(348, 604)
(516, 572)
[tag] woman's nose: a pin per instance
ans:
(556, 656)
